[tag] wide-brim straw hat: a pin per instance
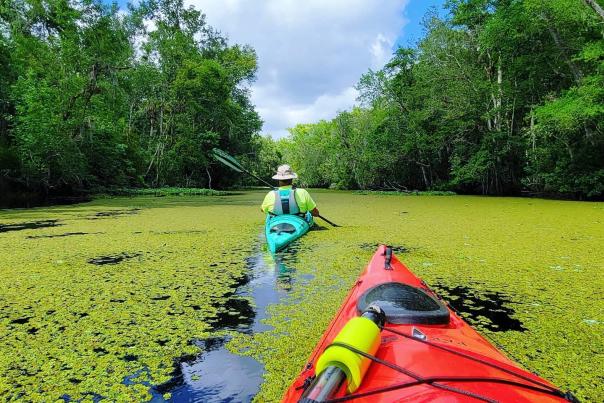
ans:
(285, 172)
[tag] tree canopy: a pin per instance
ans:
(499, 96)
(92, 97)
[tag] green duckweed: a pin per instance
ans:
(73, 328)
(116, 289)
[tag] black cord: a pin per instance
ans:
(434, 381)
(476, 359)
(431, 381)
(411, 374)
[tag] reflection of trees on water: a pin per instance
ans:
(283, 272)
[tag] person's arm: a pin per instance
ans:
(310, 203)
(268, 203)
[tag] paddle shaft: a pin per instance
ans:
(239, 166)
(257, 178)
(327, 221)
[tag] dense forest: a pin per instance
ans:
(92, 97)
(498, 96)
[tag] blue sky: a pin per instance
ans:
(311, 53)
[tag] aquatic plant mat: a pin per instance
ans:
(106, 299)
(100, 300)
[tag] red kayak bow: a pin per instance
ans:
(395, 340)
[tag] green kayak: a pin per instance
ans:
(281, 230)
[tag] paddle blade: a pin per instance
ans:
(227, 160)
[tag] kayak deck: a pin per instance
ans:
(281, 230)
(423, 362)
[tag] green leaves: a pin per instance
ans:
(90, 97)
(498, 95)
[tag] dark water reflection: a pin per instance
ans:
(218, 375)
(29, 225)
(488, 310)
(112, 259)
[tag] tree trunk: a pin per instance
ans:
(577, 74)
(532, 131)
(498, 100)
(209, 178)
(596, 7)
(425, 176)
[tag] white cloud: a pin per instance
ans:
(311, 53)
(278, 117)
(381, 50)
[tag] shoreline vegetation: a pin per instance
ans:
(161, 192)
(30, 202)
(496, 98)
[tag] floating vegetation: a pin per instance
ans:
(67, 326)
(181, 232)
(74, 331)
(480, 243)
(168, 191)
(113, 259)
(405, 192)
(28, 225)
(373, 246)
(202, 378)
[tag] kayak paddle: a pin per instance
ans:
(235, 165)
(327, 221)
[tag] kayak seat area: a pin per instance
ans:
(283, 227)
(405, 304)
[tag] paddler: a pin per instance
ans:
(291, 200)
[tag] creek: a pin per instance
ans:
(105, 300)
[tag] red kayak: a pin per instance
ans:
(395, 340)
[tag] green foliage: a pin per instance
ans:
(498, 96)
(265, 162)
(413, 193)
(165, 191)
(91, 97)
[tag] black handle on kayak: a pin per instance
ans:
(388, 258)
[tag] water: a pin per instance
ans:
(29, 225)
(490, 306)
(218, 375)
(112, 259)
(470, 241)
(398, 249)
(61, 235)
(114, 213)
